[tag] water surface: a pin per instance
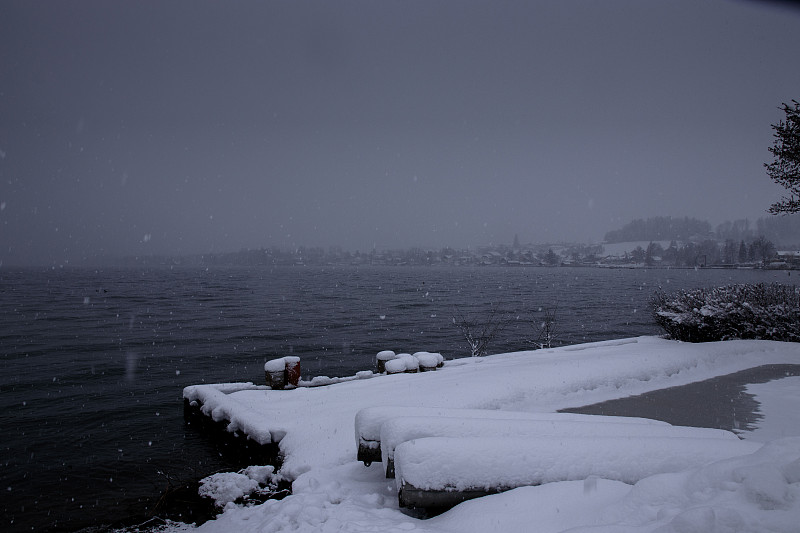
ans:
(94, 361)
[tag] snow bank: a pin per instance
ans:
(778, 401)
(320, 381)
(758, 492)
(443, 463)
(399, 430)
(723, 496)
(369, 422)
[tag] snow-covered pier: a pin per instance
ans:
(313, 427)
(245, 432)
(233, 443)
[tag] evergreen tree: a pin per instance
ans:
(742, 252)
(653, 250)
(761, 249)
(729, 252)
(670, 256)
(785, 168)
(638, 255)
(659, 229)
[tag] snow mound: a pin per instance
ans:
(399, 430)
(443, 463)
(370, 420)
(275, 365)
(429, 360)
(385, 355)
(227, 487)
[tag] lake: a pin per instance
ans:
(94, 361)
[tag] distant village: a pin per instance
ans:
(653, 254)
(689, 243)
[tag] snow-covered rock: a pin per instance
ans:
(227, 487)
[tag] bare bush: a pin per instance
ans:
(480, 332)
(547, 329)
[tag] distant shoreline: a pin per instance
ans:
(162, 264)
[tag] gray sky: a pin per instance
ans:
(195, 126)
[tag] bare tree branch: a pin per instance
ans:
(547, 329)
(479, 333)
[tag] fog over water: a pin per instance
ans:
(194, 126)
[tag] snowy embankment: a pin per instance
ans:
(332, 492)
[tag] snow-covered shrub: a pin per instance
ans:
(760, 311)
(227, 487)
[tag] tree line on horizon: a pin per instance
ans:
(784, 231)
(708, 252)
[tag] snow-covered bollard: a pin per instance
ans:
(282, 372)
(411, 362)
(292, 370)
(427, 361)
(395, 366)
(381, 358)
(275, 373)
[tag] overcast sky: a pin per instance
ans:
(177, 127)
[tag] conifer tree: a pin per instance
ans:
(785, 168)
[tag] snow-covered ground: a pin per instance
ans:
(756, 491)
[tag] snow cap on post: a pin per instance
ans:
(427, 361)
(275, 365)
(411, 362)
(395, 366)
(381, 358)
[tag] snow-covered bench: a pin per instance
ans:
(440, 472)
(368, 422)
(398, 430)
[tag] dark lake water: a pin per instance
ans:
(94, 361)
